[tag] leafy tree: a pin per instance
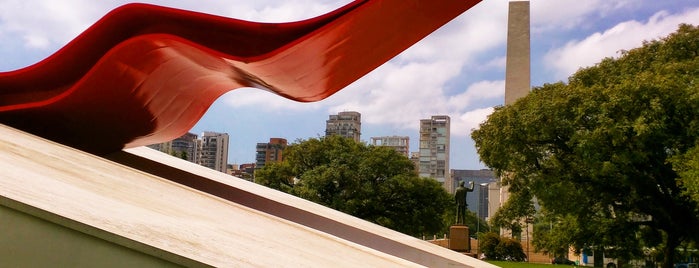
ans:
(370, 182)
(687, 165)
(614, 150)
(488, 245)
(501, 248)
(276, 175)
(515, 212)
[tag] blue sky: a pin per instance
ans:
(457, 71)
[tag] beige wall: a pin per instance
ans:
(29, 241)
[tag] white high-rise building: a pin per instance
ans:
(399, 143)
(213, 151)
(434, 148)
(345, 124)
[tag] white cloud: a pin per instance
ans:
(398, 95)
(482, 90)
(550, 15)
(624, 36)
(470, 120)
(278, 11)
(47, 24)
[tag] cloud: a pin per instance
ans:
(566, 14)
(468, 121)
(278, 11)
(482, 90)
(47, 24)
(566, 60)
(398, 95)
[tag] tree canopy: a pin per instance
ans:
(614, 150)
(374, 183)
(501, 248)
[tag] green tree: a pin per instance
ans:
(374, 183)
(600, 150)
(488, 245)
(687, 165)
(501, 248)
(515, 212)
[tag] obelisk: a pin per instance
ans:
(517, 68)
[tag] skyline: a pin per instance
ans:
(456, 71)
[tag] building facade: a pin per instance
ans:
(269, 152)
(399, 143)
(345, 124)
(213, 151)
(434, 149)
(184, 147)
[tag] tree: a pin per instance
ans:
(515, 212)
(607, 149)
(501, 248)
(374, 183)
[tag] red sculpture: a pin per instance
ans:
(145, 74)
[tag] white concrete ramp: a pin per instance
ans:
(62, 207)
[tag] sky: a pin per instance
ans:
(459, 70)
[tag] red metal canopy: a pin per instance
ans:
(145, 74)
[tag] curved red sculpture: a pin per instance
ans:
(145, 74)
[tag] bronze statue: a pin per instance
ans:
(461, 205)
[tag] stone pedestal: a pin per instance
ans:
(459, 239)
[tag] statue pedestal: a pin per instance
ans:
(459, 239)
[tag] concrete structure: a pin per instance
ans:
(494, 198)
(345, 124)
(269, 152)
(478, 200)
(213, 151)
(518, 67)
(399, 143)
(434, 148)
(459, 239)
(517, 78)
(61, 207)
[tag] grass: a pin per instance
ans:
(509, 264)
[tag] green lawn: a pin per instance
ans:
(508, 264)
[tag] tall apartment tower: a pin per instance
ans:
(269, 152)
(213, 151)
(399, 143)
(434, 148)
(345, 124)
(185, 147)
